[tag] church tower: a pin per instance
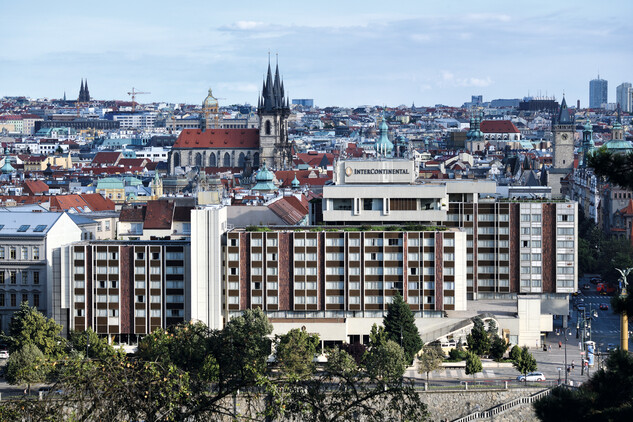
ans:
(617, 132)
(563, 148)
(587, 143)
(563, 138)
(273, 110)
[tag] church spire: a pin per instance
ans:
(564, 117)
(86, 91)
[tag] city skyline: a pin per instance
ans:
(354, 54)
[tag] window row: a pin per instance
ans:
(25, 252)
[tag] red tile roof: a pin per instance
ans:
(132, 214)
(132, 162)
(498, 126)
(98, 202)
(33, 187)
(106, 158)
(158, 215)
(290, 209)
(85, 202)
(219, 138)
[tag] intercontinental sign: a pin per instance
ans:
(370, 172)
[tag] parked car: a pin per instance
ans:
(532, 376)
(610, 347)
(576, 293)
(604, 307)
(580, 307)
(586, 286)
(595, 280)
(4, 354)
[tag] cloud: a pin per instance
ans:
(449, 79)
(246, 25)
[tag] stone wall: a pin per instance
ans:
(450, 405)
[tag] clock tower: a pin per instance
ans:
(563, 137)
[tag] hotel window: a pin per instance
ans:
(449, 257)
(504, 217)
(141, 270)
(271, 241)
(25, 253)
(335, 241)
(449, 271)
(354, 300)
(393, 256)
(354, 241)
(79, 312)
(300, 271)
(155, 313)
(414, 300)
(80, 298)
(525, 230)
(565, 217)
(271, 270)
(154, 270)
(311, 271)
(256, 257)
(335, 256)
(536, 217)
(25, 277)
(272, 300)
(335, 270)
(139, 313)
(449, 300)
(1, 276)
(272, 285)
(393, 270)
(565, 231)
(139, 285)
(525, 217)
(354, 285)
(311, 300)
(429, 271)
(256, 271)
(12, 253)
(373, 241)
(36, 252)
(430, 241)
(233, 285)
(354, 257)
(113, 298)
(335, 299)
(373, 256)
(271, 257)
(373, 285)
(413, 256)
(1, 253)
(414, 241)
(311, 241)
(429, 256)
(113, 270)
(504, 230)
(102, 312)
(257, 300)
(354, 271)
(565, 244)
(373, 300)
(311, 257)
(536, 231)
(257, 242)
(234, 257)
(102, 256)
(300, 241)
(564, 257)
(12, 277)
(335, 285)
(373, 271)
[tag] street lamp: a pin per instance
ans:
(566, 333)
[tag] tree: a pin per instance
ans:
(26, 366)
(478, 339)
(400, 327)
(498, 348)
(295, 353)
(98, 347)
(356, 350)
(347, 391)
(377, 335)
(30, 326)
(605, 396)
(616, 168)
(526, 362)
(515, 353)
(473, 364)
(430, 359)
(386, 361)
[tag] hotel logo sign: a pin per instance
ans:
(371, 172)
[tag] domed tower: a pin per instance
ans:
(383, 145)
(587, 143)
(210, 113)
(273, 110)
(264, 180)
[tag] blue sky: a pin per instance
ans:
(339, 53)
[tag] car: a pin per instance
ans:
(610, 347)
(604, 307)
(580, 307)
(576, 293)
(586, 286)
(603, 293)
(595, 280)
(4, 354)
(532, 376)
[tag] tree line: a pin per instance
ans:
(192, 373)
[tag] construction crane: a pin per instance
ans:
(133, 94)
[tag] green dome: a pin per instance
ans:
(264, 179)
(7, 167)
(619, 146)
(295, 183)
(384, 144)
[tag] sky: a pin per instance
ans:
(340, 53)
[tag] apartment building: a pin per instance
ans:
(126, 289)
(30, 250)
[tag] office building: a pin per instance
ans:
(624, 97)
(303, 102)
(598, 93)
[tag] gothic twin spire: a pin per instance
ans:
(273, 97)
(84, 94)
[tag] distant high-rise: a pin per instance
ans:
(303, 102)
(598, 92)
(624, 96)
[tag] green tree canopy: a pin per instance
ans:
(430, 359)
(386, 361)
(473, 364)
(400, 327)
(515, 353)
(616, 168)
(526, 362)
(98, 347)
(295, 353)
(498, 347)
(30, 326)
(27, 366)
(478, 339)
